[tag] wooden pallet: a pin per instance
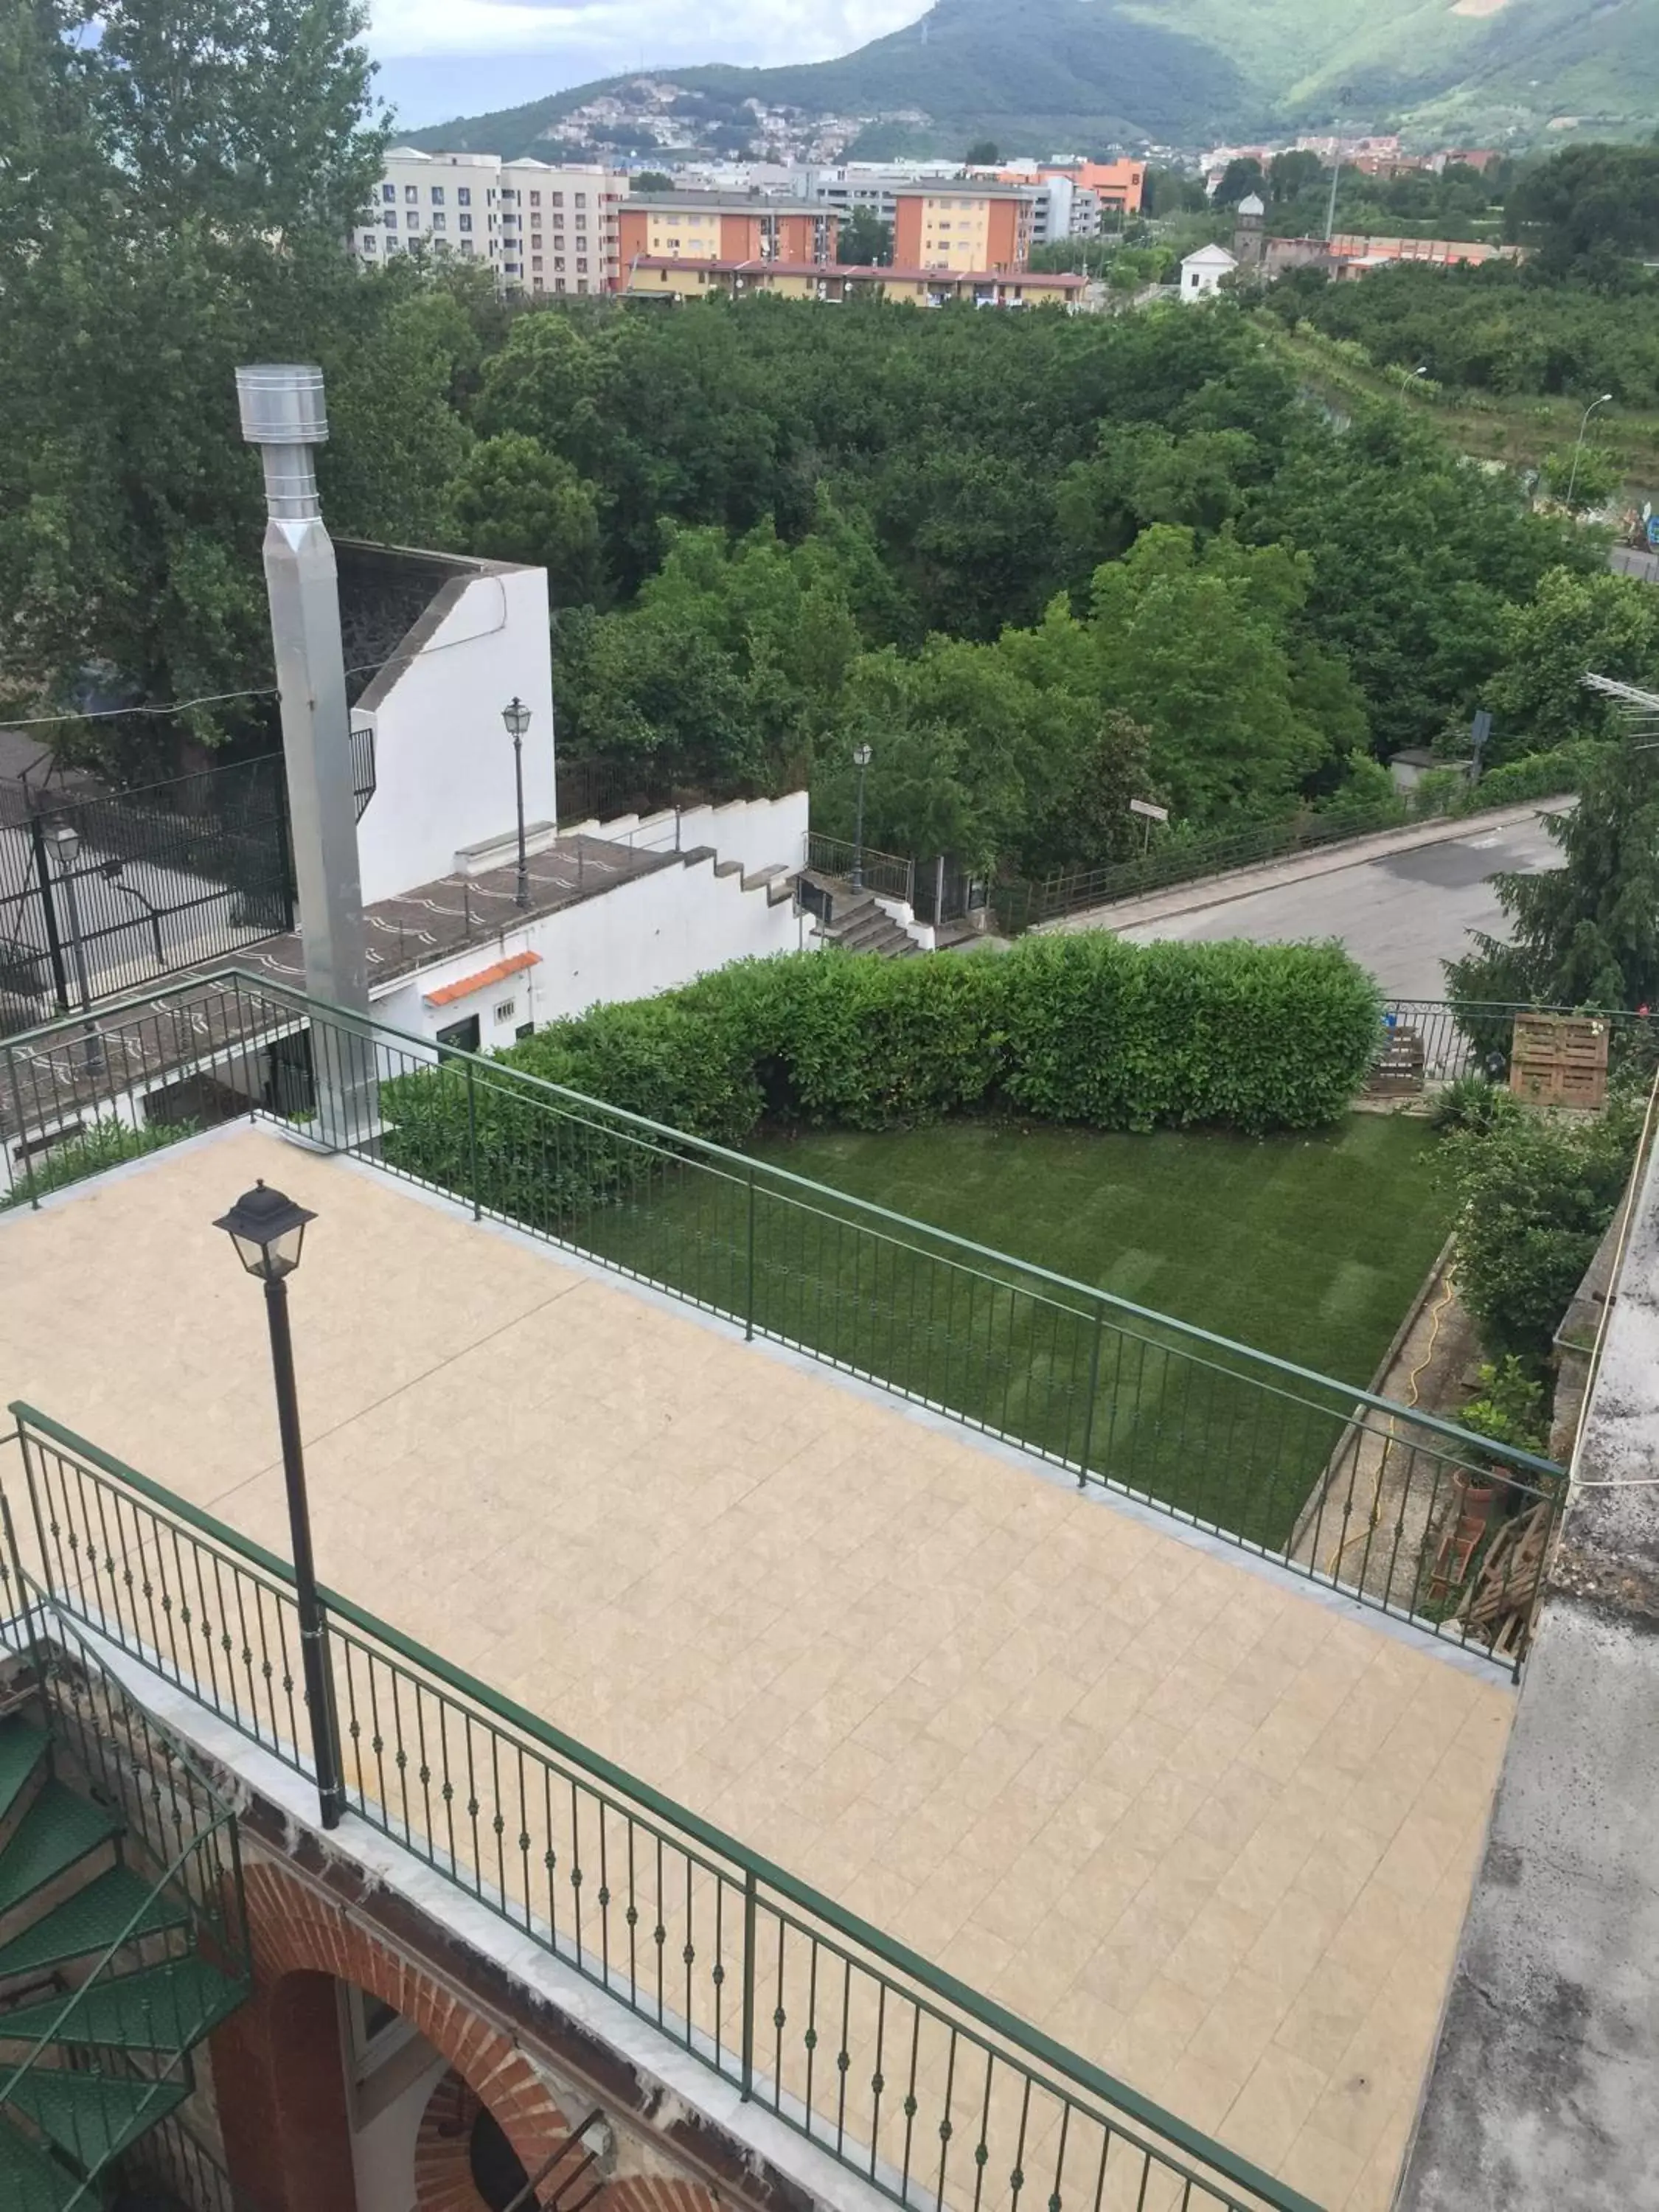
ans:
(1499, 1605)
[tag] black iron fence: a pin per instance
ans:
(101, 890)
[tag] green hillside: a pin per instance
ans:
(1052, 74)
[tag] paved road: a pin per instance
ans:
(1632, 560)
(1401, 914)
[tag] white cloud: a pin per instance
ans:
(751, 31)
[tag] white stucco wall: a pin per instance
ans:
(443, 762)
(644, 936)
(758, 833)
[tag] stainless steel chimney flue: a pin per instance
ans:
(283, 415)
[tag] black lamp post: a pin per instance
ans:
(67, 839)
(861, 761)
(516, 715)
(268, 1229)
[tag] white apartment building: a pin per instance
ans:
(540, 228)
(1060, 206)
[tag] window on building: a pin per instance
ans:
(535, 260)
(582, 268)
(437, 196)
(464, 195)
(464, 222)
(558, 222)
(558, 263)
(394, 245)
(581, 283)
(388, 191)
(581, 199)
(558, 283)
(411, 192)
(467, 245)
(390, 218)
(558, 198)
(535, 199)
(368, 241)
(439, 219)
(535, 241)
(537, 284)
(508, 193)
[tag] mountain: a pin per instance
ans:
(1047, 75)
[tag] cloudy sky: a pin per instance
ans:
(444, 57)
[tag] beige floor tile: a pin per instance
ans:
(1209, 1832)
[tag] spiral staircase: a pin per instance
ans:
(122, 1939)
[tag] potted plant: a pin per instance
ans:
(1508, 1408)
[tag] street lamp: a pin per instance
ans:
(1406, 382)
(67, 839)
(862, 761)
(1606, 400)
(516, 715)
(269, 1229)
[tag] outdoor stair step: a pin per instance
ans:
(86, 1924)
(753, 881)
(31, 2180)
(91, 2117)
(57, 1829)
(23, 1750)
(727, 867)
(170, 2007)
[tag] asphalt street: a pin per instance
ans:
(1400, 914)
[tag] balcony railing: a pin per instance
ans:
(1349, 1489)
(944, 2100)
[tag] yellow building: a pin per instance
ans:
(678, 276)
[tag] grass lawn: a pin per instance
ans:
(1310, 1248)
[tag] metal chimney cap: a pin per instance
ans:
(281, 404)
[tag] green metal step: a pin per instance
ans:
(170, 2007)
(93, 2117)
(23, 1747)
(57, 1829)
(86, 1924)
(30, 2181)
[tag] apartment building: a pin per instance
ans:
(540, 228)
(679, 276)
(970, 227)
(728, 227)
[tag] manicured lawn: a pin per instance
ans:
(1308, 1247)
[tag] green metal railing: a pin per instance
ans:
(1343, 1487)
(943, 2099)
(177, 1832)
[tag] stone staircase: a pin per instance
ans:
(775, 880)
(859, 923)
(111, 1970)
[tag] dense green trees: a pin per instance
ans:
(1040, 564)
(864, 240)
(172, 194)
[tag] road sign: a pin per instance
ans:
(1145, 807)
(1653, 531)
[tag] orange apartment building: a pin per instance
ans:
(707, 227)
(1119, 184)
(963, 228)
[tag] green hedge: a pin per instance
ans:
(1081, 1029)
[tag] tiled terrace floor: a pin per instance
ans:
(1212, 1833)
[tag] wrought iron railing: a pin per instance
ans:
(1345, 1487)
(943, 2099)
(887, 875)
(1456, 1040)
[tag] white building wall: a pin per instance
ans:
(651, 934)
(758, 833)
(481, 208)
(383, 2148)
(443, 760)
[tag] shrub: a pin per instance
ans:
(1535, 1198)
(1079, 1028)
(102, 1145)
(1510, 1408)
(1473, 1103)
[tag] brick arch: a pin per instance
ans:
(296, 1932)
